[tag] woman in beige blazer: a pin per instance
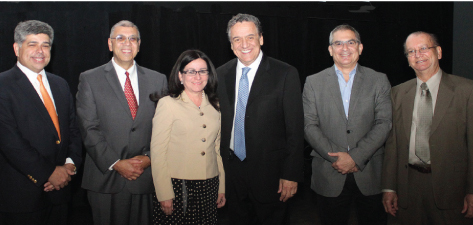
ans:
(185, 145)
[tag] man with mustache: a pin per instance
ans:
(115, 116)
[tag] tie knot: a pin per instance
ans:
(245, 70)
(40, 78)
(424, 87)
(127, 74)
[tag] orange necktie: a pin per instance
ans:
(48, 103)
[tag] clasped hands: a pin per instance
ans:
(344, 163)
(132, 168)
(60, 177)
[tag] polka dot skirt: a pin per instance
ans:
(195, 202)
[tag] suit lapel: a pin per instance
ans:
(111, 76)
(61, 106)
(230, 81)
(334, 87)
(262, 74)
(27, 89)
(143, 87)
(358, 84)
(407, 107)
(444, 97)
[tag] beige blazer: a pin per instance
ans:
(185, 144)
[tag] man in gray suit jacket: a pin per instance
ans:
(347, 118)
(115, 114)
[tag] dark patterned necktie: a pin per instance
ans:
(130, 96)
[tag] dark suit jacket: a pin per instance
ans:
(28, 142)
(327, 128)
(109, 131)
(451, 142)
(273, 125)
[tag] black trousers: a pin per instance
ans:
(243, 208)
(52, 215)
(336, 210)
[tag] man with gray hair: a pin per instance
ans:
(115, 117)
(40, 144)
(347, 118)
(262, 128)
(428, 171)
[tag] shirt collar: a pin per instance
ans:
(432, 82)
(254, 66)
(120, 69)
(29, 73)
(339, 72)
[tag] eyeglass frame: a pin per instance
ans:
(194, 73)
(126, 38)
(342, 43)
(422, 50)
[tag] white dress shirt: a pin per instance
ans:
(133, 78)
(33, 78)
(251, 76)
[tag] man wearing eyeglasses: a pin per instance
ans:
(428, 171)
(115, 117)
(347, 118)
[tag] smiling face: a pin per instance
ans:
(246, 42)
(424, 64)
(344, 56)
(35, 52)
(194, 83)
(124, 53)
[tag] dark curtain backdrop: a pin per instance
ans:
(294, 32)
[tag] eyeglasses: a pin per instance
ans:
(350, 43)
(122, 39)
(193, 73)
(422, 50)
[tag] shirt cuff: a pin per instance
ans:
(111, 167)
(387, 190)
(69, 160)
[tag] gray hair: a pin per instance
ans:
(124, 23)
(241, 18)
(433, 38)
(28, 27)
(344, 27)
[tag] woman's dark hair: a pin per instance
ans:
(175, 86)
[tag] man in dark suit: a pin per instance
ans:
(428, 165)
(262, 128)
(40, 143)
(115, 116)
(347, 117)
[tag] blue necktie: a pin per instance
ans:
(239, 127)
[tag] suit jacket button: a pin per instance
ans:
(58, 142)
(201, 113)
(348, 131)
(133, 129)
(203, 140)
(204, 126)
(202, 153)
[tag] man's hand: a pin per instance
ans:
(344, 163)
(390, 202)
(468, 206)
(129, 168)
(287, 189)
(70, 169)
(221, 200)
(166, 206)
(145, 161)
(59, 178)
